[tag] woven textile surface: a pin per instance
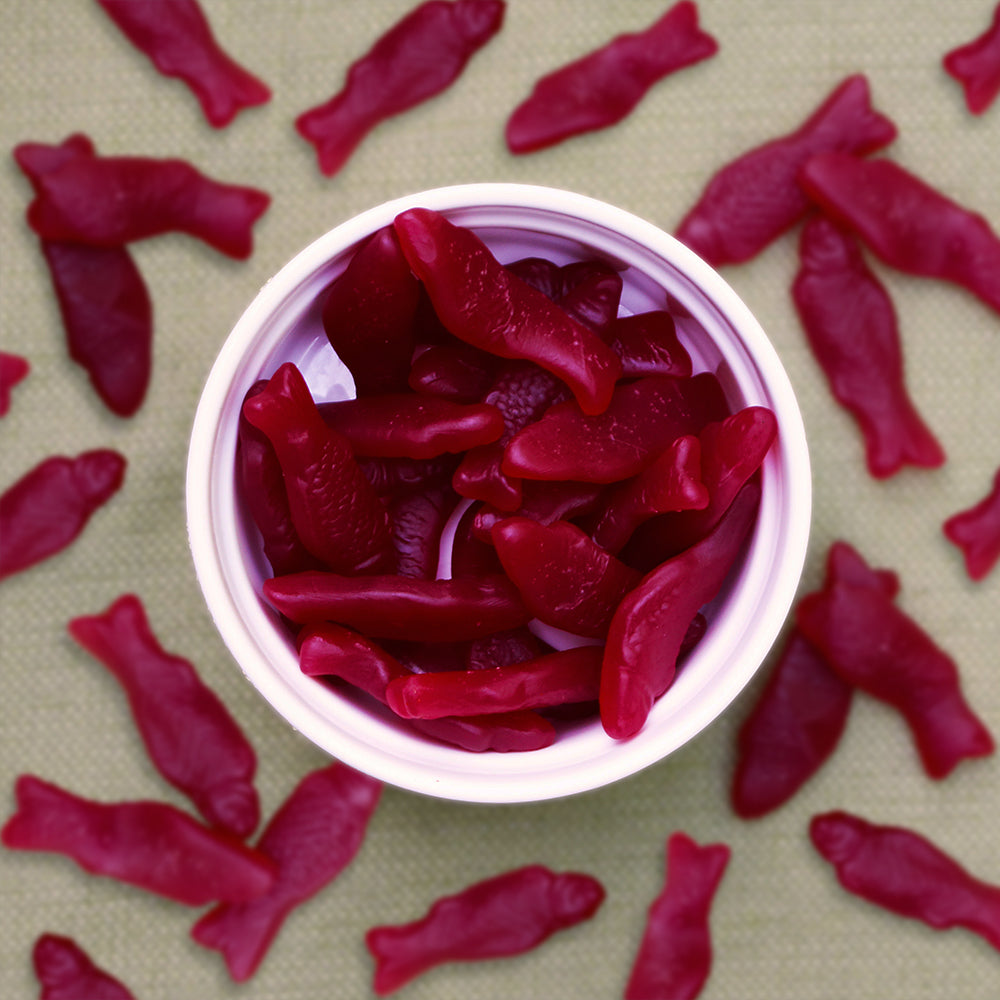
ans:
(782, 926)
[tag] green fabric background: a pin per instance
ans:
(782, 926)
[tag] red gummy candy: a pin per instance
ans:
(415, 60)
(602, 87)
(976, 531)
(103, 300)
(151, 845)
(674, 958)
(976, 66)
(111, 200)
(176, 36)
(48, 507)
(192, 739)
(312, 838)
(13, 369)
(851, 325)
(66, 972)
(754, 199)
(501, 916)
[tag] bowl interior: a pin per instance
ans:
(283, 324)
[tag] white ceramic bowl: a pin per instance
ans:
(283, 324)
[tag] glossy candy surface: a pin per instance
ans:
(567, 677)
(644, 418)
(482, 303)
(649, 626)
(392, 606)
(564, 577)
(405, 425)
(334, 509)
(370, 314)
(330, 650)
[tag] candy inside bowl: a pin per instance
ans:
(283, 327)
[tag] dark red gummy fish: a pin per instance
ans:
(312, 837)
(904, 872)
(976, 66)
(148, 844)
(13, 369)
(976, 531)
(177, 37)
(601, 88)
(415, 60)
(675, 955)
(192, 739)
(498, 917)
(111, 200)
(47, 509)
(906, 222)
(852, 327)
(66, 972)
(755, 198)
(105, 305)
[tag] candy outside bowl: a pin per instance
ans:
(283, 324)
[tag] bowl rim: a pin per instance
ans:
(405, 760)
